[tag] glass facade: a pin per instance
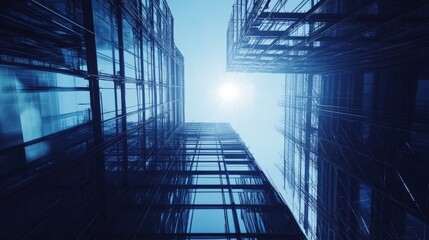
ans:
(362, 151)
(86, 87)
(356, 132)
(201, 183)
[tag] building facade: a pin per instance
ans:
(201, 183)
(87, 88)
(355, 110)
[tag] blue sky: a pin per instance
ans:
(200, 34)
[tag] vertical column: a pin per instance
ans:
(182, 82)
(121, 81)
(308, 135)
(155, 93)
(307, 148)
(143, 83)
(228, 182)
(92, 72)
(284, 133)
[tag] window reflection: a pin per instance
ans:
(210, 196)
(41, 103)
(220, 221)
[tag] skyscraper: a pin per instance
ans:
(356, 114)
(202, 183)
(88, 90)
(93, 139)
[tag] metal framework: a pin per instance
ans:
(202, 182)
(354, 153)
(84, 84)
(299, 36)
(355, 110)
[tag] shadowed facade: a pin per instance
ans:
(355, 110)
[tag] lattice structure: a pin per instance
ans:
(300, 36)
(356, 117)
(203, 183)
(86, 87)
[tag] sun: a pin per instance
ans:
(228, 92)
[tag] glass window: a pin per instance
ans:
(238, 167)
(220, 221)
(206, 166)
(235, 179)
(209, 179)
(252, 196)
(210, 196)
(208, 158)
(256, 220)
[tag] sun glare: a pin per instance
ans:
(228, 92)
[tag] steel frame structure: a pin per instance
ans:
(86, 85)
(282, 37)
(201, 182)
(355, 117)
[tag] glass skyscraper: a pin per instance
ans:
(356, 132)
(201, 183)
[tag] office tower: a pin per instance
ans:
(93, 140)
(201, 183)
(356, 110)
(87, 90)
